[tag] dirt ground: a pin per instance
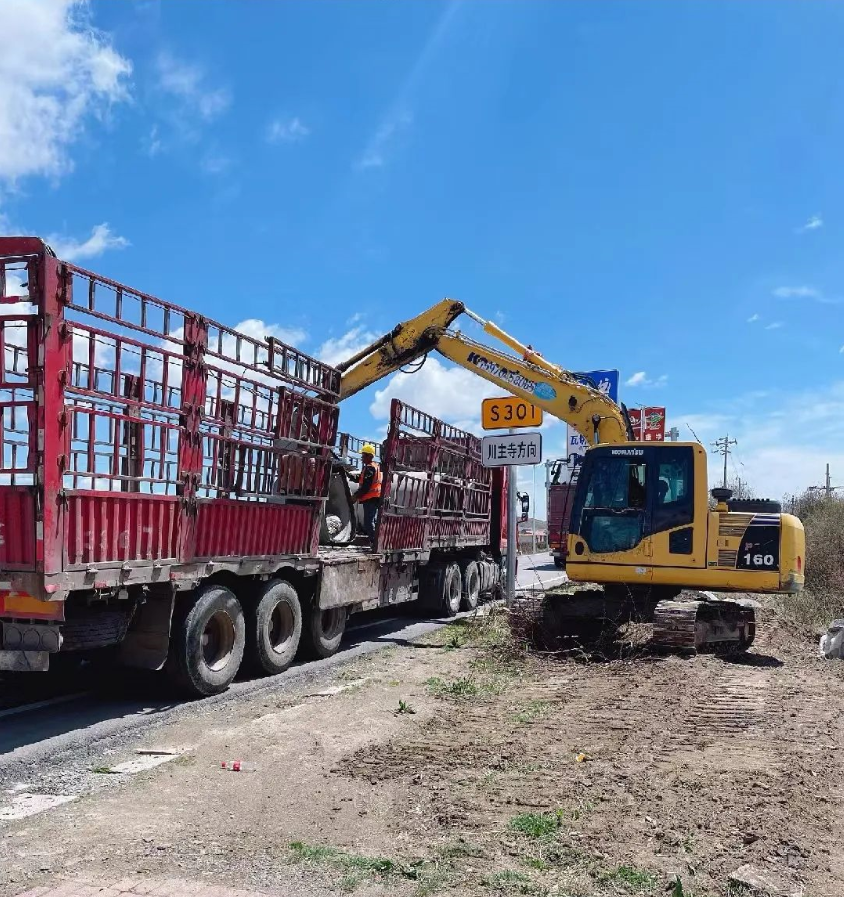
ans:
(453, 767)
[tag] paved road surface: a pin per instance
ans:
(537, 571)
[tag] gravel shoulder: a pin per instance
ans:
(452, 765)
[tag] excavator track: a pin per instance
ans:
(712, 627)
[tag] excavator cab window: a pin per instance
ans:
(674, 505)
(611, 505)
(625, 494)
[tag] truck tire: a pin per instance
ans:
(322, 631)
(207, 643)
(88, 631)
(471, 586)
(560, 563)
(273, 627)
(450, 589)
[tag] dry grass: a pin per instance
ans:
(823, 598)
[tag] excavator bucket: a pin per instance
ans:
(707, 626)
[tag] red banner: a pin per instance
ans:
(635, 415)
(653, 424)
(648, 424)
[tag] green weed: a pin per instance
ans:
(629, 877)
(536, 863)
(537, 825)
(509, 882)
(534, 710)
(465, 687)
(356, 866)
(404, 707)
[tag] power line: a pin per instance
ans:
(722, 446)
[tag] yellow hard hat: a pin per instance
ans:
(368, 449)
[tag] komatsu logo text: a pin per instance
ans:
(513, 377)
(628, 453)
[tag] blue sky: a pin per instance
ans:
(647, 186)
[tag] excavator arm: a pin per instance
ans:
(526, 375)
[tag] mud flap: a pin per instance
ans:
(147, 642)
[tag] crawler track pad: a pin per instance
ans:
(717, 627)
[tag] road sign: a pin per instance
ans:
(605, 381)
(507, 412)
(511, 449)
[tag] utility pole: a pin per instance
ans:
(828, 489)
(722, 446)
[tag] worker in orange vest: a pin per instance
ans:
(369, 481)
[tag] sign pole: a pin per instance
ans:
(512, 533)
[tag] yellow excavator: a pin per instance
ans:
(642, 524)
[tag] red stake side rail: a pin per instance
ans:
(143, 442)
(437, 494)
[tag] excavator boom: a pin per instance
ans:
(528, 375)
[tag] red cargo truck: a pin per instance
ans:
(560, 498)
(163, 489)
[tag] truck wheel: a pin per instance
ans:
(206, 646)
(273, 627)
(451, 587)
(471, 586)
(323, 631)
(559, 563)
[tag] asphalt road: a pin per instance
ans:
(537, 571)
(47, 714)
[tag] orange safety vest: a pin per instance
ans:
(375, 488)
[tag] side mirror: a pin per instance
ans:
(524, 498)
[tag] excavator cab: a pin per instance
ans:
(635, 505)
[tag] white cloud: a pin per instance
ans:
(153, 143)
(784, 440)
(641, 378)
(101, 240)
(753, 319)
(451, 393)
(287, 130)
(805, 292)
(813, 223)
(337, 349)
(377, 150)
(258, 329)
(797, 293)
(189, 84)
(774, 325)
(56, 71)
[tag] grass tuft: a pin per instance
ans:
(629, 877)
(537, 825)
(465, 687)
